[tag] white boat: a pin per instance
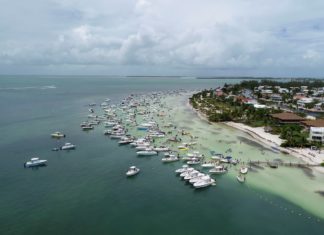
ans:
(197, 178)
(208, 165)
(35, 162)
(146, 153)
(244, 170)
(125, 140)
(87, 127)
(133, 170)
(191, 175)
(182, 169)
(68, 146)
(57, 134)
(170, 159)
(204, 182)
(184, 173)
(240, 178)
(110, 124)
(218, 170)
(193, 161)
(161, 149)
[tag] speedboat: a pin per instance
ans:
(244, 170)
(218, 170)
(170, 159)
(182, 169)
(240, 178)
(133, 170)
(226, 159)
(161, 149)
(208, 165)
(125, 140)
(87, 127)
(193, 161)
(191, 175)
(204, 182)
(57, 134)
(184, 173)
(197, 178)
(146, 153)
(35, 162)
(68, 146)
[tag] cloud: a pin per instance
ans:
(258, 36)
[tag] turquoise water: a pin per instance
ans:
(85, 191)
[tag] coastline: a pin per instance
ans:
(272, 141)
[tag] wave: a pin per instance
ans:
(29, 88)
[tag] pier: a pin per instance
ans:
(275, 164)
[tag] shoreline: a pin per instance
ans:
(272, 141)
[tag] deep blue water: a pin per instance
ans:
(85, 191)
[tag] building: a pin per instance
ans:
(313, 123)
(303, 101)
(287, 118)
(316, 134)
(276, 98)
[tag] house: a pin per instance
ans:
(316, 134)
(283, 90)
(276, 98)
(287, 118)
(319, 106)
(303, 101)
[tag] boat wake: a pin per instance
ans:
(29, 88)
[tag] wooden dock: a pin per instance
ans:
(275, 164)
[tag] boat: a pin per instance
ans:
(68, 146)
(125, 140)
(35, 162)
(58, 134)
(182, 169)
(240, 178)
(146, 153)
(218, 170)
(87, 127)
(197, 178)
(55, 149)
(204, 182)
(244, 170)
(161, 149)
(171, 158)
(226, 159)
(133, 170)
(193, 161)
(208, 165)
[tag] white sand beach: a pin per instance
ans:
(258, 133)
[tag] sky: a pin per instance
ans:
(163, 37)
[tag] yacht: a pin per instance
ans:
(146, 153)
(204, 182)
(125, 140)
(68, 146)
(244, 170)
(35, 162)
(57, 134)
(170, 158)
(161, 149)
(197, 178)
(87, 127)
(193, 161)
(182, 169)
(218, 170)
(208, 165)
(133, 170)
(240, 178)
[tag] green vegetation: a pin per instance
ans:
(231, 105)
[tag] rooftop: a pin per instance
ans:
(314, 123)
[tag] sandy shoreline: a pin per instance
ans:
(273, 141)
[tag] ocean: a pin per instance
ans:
(85, 191)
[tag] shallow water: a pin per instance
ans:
(85, 191)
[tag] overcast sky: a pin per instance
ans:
(163, 37)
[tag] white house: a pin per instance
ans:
(303, 101)
(316, 134)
